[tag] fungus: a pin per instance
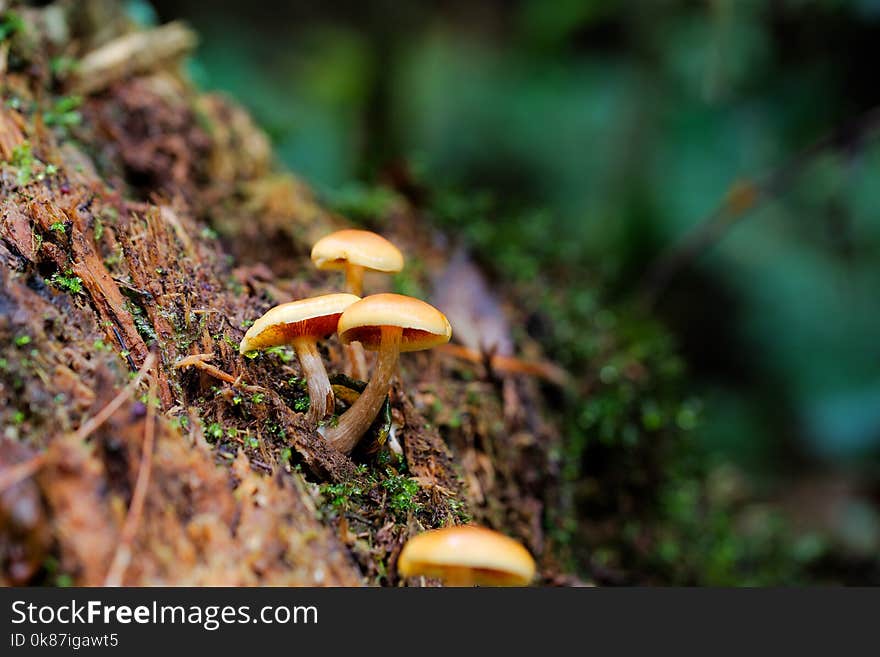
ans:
(356, 251)
(300, 324)
(467, 555)
(389, 324)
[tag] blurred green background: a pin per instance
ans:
(576, 141)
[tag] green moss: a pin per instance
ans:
(274, 429)
(214, 431)
(23, 159)
(10, 24)
(285, 353)
(67, 282)
(61, 66)
(342, 496)
(180, 422)
(234, 286)
(401, 493)
(409, 281)
(28, 167)
(634, 427)
(363, 203)
(64, 112)
(460, 510)
(54, 576)
(141, 322)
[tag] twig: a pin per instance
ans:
(198, 360)
(743, 197)
(508, 364)
(21, 471)
(125, 348)
(104, 414)
(133, 518)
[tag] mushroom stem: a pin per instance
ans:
(357, 361)
(321, 400)
(354, 279)
(357, 419)
(354, 351)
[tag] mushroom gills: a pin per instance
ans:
(464, 576)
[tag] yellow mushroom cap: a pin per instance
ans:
(357, 247)
(423, 325)
(316, 316)
(467, 555)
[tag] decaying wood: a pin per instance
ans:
(122, 556)
(137, 52)
(159, 240)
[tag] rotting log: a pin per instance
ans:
(154, 222)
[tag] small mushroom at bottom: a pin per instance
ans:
(467, 555)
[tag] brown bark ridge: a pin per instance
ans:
(147, 218)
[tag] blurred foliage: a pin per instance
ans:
(643, 494)
(570, 143)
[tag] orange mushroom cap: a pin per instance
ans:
(423, 325)
(467, 555)
(357, 247)
(315, 317)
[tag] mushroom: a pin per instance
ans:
(467, 555)
(300, 324)
(389, 324)
(356, 251)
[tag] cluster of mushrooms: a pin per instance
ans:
(388, 324)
